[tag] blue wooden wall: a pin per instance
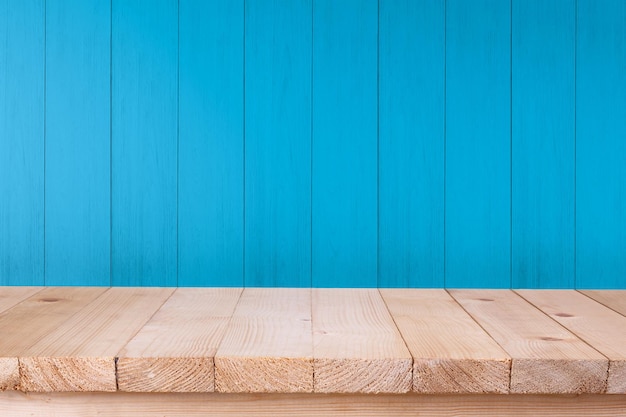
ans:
(359, 143)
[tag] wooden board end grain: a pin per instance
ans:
(546, 358)
(79, 354)
(451, 352)
(357, 347)
(9, 374)
(268, 343)
(591, 321)
(174, 351)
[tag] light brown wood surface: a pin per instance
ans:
(174, 351)
(357, 347)
(451, 352)
(79, 354)
(10, 296)
(16, 404)
(614, 299)
(599, 326)
(31, 320)
(546, 358)
(268, 343)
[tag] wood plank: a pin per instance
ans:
(174, 351)
(600, 144)
(615, 300)
(10, 296)
(344, 152)
(451, 352)
(144, 142)
(478, 128)
(22, 55)
(78, 142)
(210, 165)
(278, 143)
(79, 354)
(546, 358)
(543, 143)
(268, 344)
(357, 347)
(32, 319)
(594, 323)
(411, 143)
(17, 404)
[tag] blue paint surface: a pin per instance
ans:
(210, 154)
(144, 142)
(601, 144)
(22, 59)
(411, 143)
(278, 143)
(353, 143)
(543, 146)
(78, 215)
(478, 139)
(344, 195)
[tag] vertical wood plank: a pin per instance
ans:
(22, 60)
(144, 143)
(601, 144)
(344, 152)
(478, 143)
(210, 199)
(411, 143)
(78, 218)
(543, 143)
(278, 143)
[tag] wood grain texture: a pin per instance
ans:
(344, 151)
(278, 143)
(546, 358)
(144, 142)
(594, 323)
(174, 351)
(31, 320)
(210, 154)
(600, 144)
(543, 143)
(22, 55)
(615, 300)
(78, 142)
(18, 404)
(357, 347)
(451, 352)
(478, 153)
(79, 354)
(10, 296)
(268, 344)
(411, 143)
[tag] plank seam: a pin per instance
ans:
(601, 303)
(487, 333)
(243, 214)
(177, 138)
(406, 345)
(564, 327)
(511, 144)
(445, 133)
(575, 123)
(117, 356)
(111, 145)
(378, 143)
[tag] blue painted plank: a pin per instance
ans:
(78, 218)
(478, 124)
(278, 143)
(210, 199)
(601, 144)
(543, 143)
(344, 149)
(22, 142)
(411, 143)
(144, 142)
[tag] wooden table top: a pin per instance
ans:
(287, 340)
